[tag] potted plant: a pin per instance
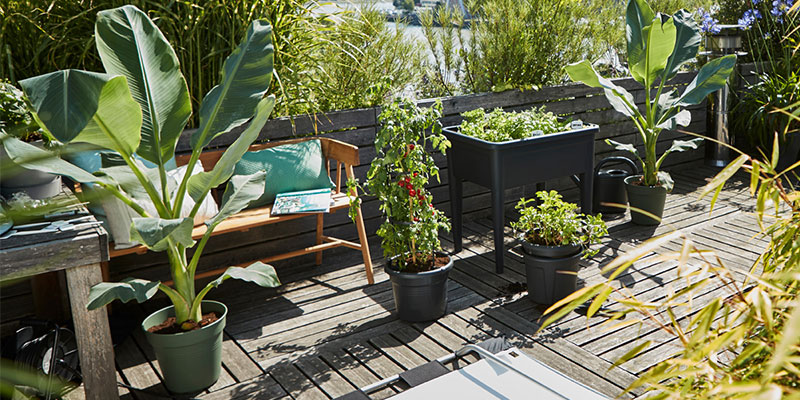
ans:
(397, 176)
(16, 121)
(139, 108)
(502, 150)
(554, 238)
(658, 45)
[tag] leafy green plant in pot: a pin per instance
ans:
(658, 45)
(139, 108)
(409, 234)
(17, 122)
(554, 238)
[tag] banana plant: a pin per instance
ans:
(140, 106)
(658, 45)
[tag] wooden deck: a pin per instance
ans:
(325, 332)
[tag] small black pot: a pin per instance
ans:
(419, 296)
(647, 198)
(551, 271)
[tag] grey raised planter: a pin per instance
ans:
(505, 165)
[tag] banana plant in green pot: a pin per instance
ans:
(658, 46)
(139, 108)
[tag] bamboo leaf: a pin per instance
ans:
(723, 176)
(630, 354)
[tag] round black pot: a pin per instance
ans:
(647, 198)
(419, 296)
(551, 271)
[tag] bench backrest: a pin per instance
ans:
(333, 150)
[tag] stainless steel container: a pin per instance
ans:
(727, 41)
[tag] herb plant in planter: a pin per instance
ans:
(17, 122)
(409, 235)
(658, 45)
(554, 237)
(502, 150)
(139, 108)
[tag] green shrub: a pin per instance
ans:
(526, 51)
(755, 117)
(365, 62)
(501, 126)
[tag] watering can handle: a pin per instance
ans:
(624, 160)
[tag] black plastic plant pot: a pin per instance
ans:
(647, 198)
(551, 271)
(419, 296)
(505, 165)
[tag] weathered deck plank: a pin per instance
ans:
(325, 333)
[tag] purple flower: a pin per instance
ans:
(779, 7)
(709, 23)
(749, 17)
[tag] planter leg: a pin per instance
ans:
(456, 193)
(498, 219)
(587, 179)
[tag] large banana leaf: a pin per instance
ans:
(712, 77)
(660, 40)
(155, 233)
(246, 75)
(126, 290)
(132, 46)
(241, 190)
(620, 99)
(687, 42)
(638, 16)
(81, 106)
(201, 183)
(32, 157)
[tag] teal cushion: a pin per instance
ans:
(289, 168)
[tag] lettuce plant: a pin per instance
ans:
(139, 107)
(501, 126)
(658, 45)
(554, 222)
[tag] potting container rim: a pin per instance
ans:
(392, 271)
(551, 247)
(179, 334)
(454, 129)
(641, 186)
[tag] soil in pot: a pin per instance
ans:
(421, 296)
(170, 326)
(425, 264)
(648, 198)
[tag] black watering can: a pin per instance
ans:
(609, 185)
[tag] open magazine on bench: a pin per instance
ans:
(306, 201)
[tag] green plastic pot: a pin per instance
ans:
(647, 198)
(190, 361)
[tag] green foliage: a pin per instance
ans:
(398, 177)
(313, 49)
(365, 62)
(523, 52)
(743, 343)
(755, 117)
(658, 45)
(15, 119)
(501, 126)
(140, 112)
(554, 222)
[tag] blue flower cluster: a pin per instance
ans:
(779, 8)
(749, 17)
(709, 23)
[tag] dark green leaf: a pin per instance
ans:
(259, 273)
(155, 233)
(32, 157)
(131, 45)
(246, 76)
(637, 17)
(687, 42)
(241, 190)
(125, 291)
(712, 77)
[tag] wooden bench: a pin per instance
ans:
(345, 157)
